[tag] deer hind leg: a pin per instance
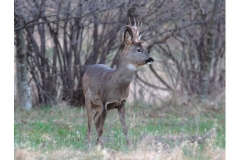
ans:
(99, 122)
(88, 106)
(121, 113)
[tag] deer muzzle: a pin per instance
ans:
(149, 60)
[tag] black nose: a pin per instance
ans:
(149, 60)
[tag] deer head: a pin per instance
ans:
(134, 54)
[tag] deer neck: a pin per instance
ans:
(124, 75)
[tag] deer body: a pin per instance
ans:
(106, 88)
(106, 85)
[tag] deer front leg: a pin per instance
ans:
(121, 113)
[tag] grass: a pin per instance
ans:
(172, 132)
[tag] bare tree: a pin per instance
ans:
(186, 38)
(210, 54)
(24, 91)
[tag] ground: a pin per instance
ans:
(185, 131)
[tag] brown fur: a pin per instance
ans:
(106, 88)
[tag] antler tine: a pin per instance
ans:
(135, 30)
(140, 25)
(129, 21)
(140, 36)
(135, 25)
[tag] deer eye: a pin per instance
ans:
(139, 50)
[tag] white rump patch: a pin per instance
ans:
(131, 67)
(149, 63)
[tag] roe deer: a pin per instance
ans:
(106, 88)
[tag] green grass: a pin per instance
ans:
(152, 130)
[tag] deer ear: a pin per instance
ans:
(128, 37)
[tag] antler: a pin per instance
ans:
(135, 31)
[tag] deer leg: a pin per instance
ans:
(101, 119)
(121, 113)
(96, 118)
(88, 106)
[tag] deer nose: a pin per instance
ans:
(149, 60)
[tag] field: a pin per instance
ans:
(165, 132)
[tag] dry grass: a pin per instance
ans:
(185, 151)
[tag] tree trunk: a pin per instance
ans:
(24, 91)
(92, 59)
(208, 60)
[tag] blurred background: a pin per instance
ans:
(56, 40)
